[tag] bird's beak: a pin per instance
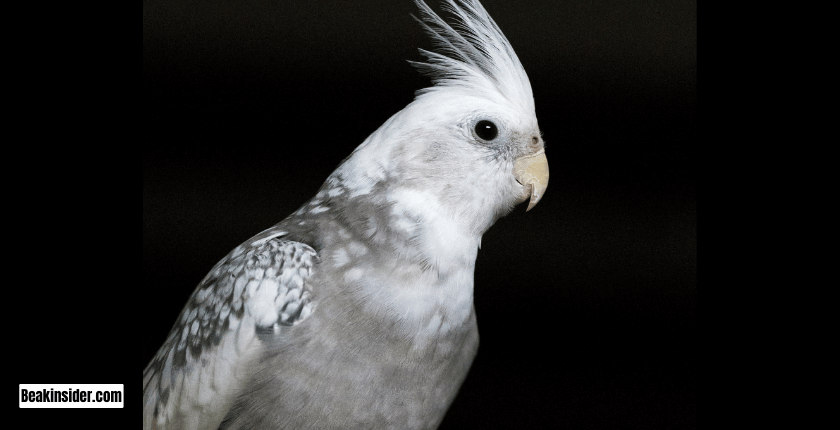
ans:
(532, 171)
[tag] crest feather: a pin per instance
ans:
(473, 54)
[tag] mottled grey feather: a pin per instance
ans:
(259, 286)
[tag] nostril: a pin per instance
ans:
(535, 140)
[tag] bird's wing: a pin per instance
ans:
(196, 375)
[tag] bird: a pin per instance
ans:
(356, 310)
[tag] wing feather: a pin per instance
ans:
(196, 375)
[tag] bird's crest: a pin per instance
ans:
(473, 54)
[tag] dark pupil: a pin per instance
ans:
(486, 130)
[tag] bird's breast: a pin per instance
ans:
(354, 372)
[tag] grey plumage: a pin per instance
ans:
(356, 310)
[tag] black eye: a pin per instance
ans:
(486, 130)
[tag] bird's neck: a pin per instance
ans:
(395, 249)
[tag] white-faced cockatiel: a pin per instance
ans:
(356, 311)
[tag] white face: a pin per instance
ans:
(462, 150)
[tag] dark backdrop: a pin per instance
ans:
(586, 304)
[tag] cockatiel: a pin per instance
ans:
(356, 311)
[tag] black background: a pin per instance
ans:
(586, 304)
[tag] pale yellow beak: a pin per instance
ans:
(532, 170)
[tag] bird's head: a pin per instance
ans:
(468, 147)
